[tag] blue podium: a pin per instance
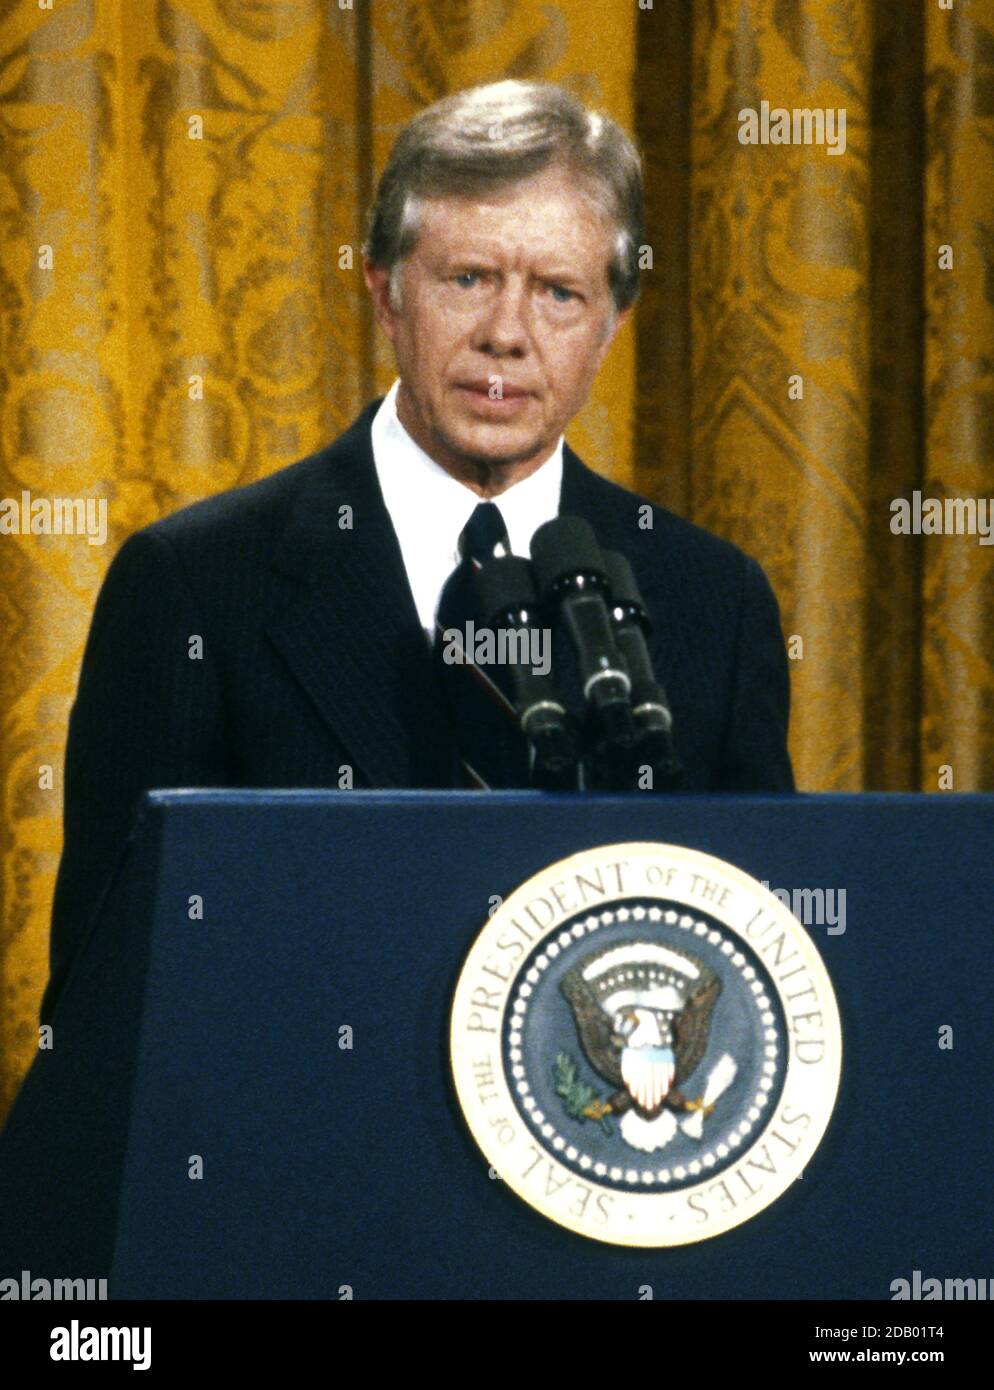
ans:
(249, 1094)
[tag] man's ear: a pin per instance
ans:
(378, 283)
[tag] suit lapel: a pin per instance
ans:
(351, 635)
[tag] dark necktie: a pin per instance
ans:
(491, 747)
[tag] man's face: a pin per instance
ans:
(504, 295)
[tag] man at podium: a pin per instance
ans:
(285, 634)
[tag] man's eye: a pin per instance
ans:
(562, 290)
(466, 275)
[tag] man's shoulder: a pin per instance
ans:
(248, 506)
(654, 538)
(253, 519)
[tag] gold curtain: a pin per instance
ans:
(775, 262)
(182, 192)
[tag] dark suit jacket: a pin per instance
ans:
(314, 657)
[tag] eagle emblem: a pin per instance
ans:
(643, 1017)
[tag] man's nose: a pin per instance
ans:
(506, 327)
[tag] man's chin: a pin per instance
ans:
(493, 448)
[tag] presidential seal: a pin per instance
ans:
(645, 1045)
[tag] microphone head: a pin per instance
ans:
(625, 590)
(620, 579)
(505, 584)
(564, 547)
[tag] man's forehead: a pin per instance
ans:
(460, 226)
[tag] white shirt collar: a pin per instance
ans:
(429, 508)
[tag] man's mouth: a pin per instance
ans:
(504, 398)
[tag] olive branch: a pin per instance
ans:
(580, 1101)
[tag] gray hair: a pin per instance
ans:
(499, 134)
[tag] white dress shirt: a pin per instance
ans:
(429, 508)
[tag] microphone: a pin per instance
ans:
(569, 573)
(650, 707)
(508, 601)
